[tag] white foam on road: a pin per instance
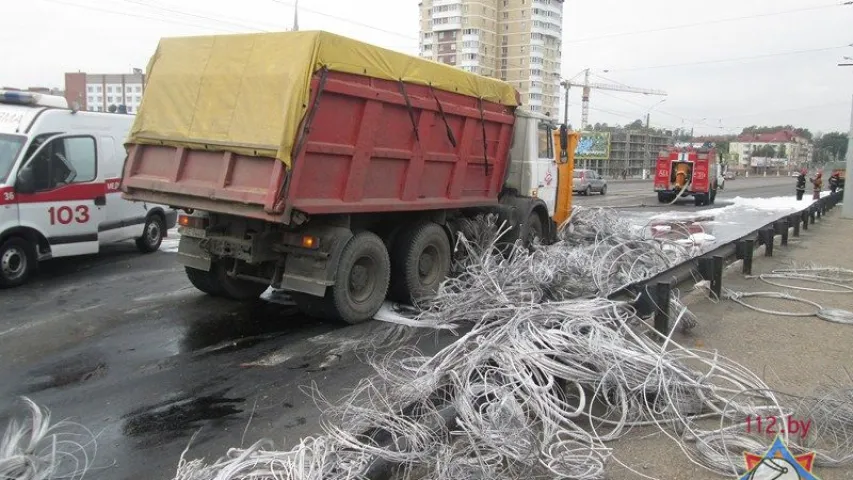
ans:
(170, 243)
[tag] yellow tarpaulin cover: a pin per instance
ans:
(248, 93)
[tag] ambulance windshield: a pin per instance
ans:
(10, 145)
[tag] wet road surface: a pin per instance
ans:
(641, 194)
(121, 343)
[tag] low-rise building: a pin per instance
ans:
(791, 150)
(103, 92)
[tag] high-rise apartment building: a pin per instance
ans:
(519, 41)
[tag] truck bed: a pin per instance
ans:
(360, 154)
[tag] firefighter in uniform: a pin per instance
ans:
(801, 184)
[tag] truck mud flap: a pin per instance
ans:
(191, 254)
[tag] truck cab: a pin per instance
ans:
(60, 172)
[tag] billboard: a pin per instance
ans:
(593, 146)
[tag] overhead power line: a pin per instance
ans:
(194, 15)
(349, 20)
(704, 23)
(133, 15)
(732, 59)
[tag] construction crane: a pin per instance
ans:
(587, 87)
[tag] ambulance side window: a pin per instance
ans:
(64, 161)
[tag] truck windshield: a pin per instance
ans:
(10, 145)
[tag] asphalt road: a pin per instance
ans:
(121, 343)
(641, 194)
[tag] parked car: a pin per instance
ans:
(729, 176)
(588, 181)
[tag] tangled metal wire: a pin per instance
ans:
(838, 279)
(549, 373)
(36, 450)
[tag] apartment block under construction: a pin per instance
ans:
(518, 41)
(632, 151)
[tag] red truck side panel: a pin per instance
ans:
(700, 172)
(361, 154)
(663, 170)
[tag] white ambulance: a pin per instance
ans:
(60, 171)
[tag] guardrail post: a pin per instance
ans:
(748, 250)
(706, 268)
(662, 297)
(717, 280)
(795, 218)
(782, 229)
(766, 235)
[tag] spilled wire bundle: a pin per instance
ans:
(37, 450)
(549, 373)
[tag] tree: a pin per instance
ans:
(636, 125)
(832, 146)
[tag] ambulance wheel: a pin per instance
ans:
(204, 281)
(152, 234)
(17, 262)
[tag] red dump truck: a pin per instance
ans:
(334, 169)
(685, 170)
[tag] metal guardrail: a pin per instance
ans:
(648, 295)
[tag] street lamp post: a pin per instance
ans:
(647, 160)
(847, 207)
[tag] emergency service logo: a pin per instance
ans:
(779, 464)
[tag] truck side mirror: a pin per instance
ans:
(564, 137)
(25, 182)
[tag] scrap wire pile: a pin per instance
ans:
(37, 450)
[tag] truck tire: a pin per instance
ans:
(533, 229)
(234, 288)
(700, 199)
(17, 262)
(204, 281)
(361, 280)
(663, 198)
(152, 234)
(420, 262)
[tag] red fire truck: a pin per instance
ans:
(688, 170)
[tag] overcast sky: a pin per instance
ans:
(725, 64)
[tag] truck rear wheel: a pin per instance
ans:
(234, 288)
(362, 278)
(204, 281)
(421, 261)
